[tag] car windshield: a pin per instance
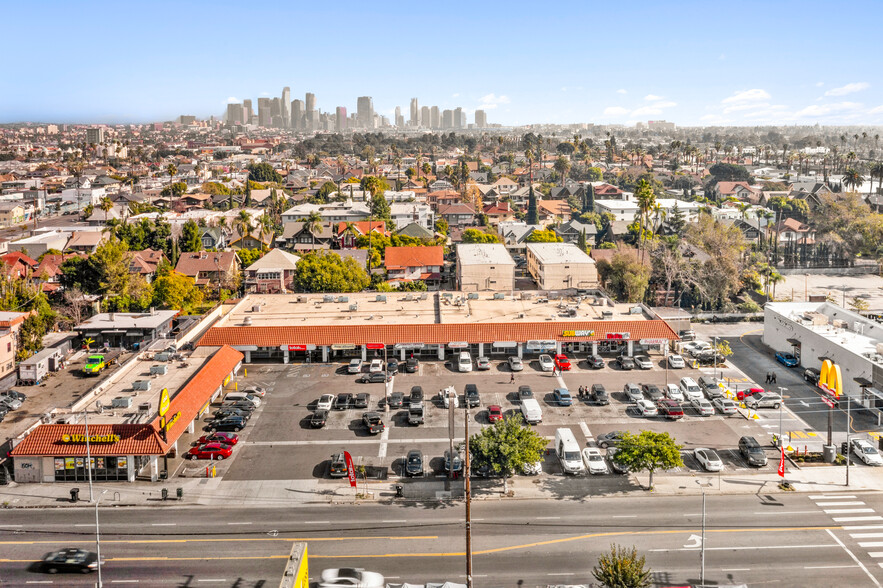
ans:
(868, 449)
(595, 457)
(414, 459)
(571, 455)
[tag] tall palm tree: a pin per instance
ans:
(242, 224)
(173, 171)
(851, 177)
(313, 224)
(351, 230)
(646, 199)
(76, 167)
(106, 205)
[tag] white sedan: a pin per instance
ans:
(703, 406)
(672, 392)
(352, 577)
(326, 401)
(448, 395)
(725, 405)
(546, 363)
(515, 364)
(866, 452)
(646, 408)
(708, 459)
(675, 362)
(643, 362)
(594, 461)
(376, 366)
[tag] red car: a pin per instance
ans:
(743, 394)
(210, 451)
(562, 363)
(219, 437)
(494, 413)
(670, 409)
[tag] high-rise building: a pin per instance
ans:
(447, 121)
(297, 114)
(95, 136)
(365, 112)
(459, 118)
(247, 112)
(311, 117)
(425, 117)
(415, 113)
(340, 123)
(400, 120)
(310, 102)
(434, 120)
(480, 119)
(286, 107)
(235, 114)
(265, 112)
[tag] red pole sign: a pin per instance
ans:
(782, 461)
(351, 469)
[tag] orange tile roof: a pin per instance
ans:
(397, 257)
(432, 333)
(49, 440)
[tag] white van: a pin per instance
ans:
(567, 450)
(237, 396)
(464, 362)
(691, 389)
(531, 411)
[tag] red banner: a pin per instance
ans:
(375, 345)
(782, 460)
(351, 469)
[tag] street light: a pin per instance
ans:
(781, 408)
(98, 537)
(702, 540)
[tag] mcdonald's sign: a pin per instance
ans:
(830, 378)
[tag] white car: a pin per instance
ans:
(708, 459)
(866, 452)
(646, 408)
(447, 394)
(725, 405)
(643, 362)
(515, 364)
(697, 347)
(546, 363)
(326, 401)
(672, 392)
(256, 390)
(352, 577)
(355, 366)
(633, 392)
(482, 364)
(703, 406)
(594, 461)
(690, 389)
(376, 366)
(676, 362)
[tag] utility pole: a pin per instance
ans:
(88, 456)
(467, 472)
(451, 402)
(98, 539)
(702, 551)
(848, 427)
(781, 410)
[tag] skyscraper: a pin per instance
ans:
(365, 112)
(340, 123)
(265, 115)
(434, 121)
(400, 120)
(447, 121)
(286, 107)
(297, 114)
(415, 113)
(95, 136)
(425, 118)
(459, 118)
(310, 102)
(480, 119)
(311, 118)
(247, 111)
(235, 114)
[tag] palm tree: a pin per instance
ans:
(242, 224)
(106, 205)
(646, 199)
(76, 167)
(350, 229)
(173, 171)
(851, 177)
(313, 224)
(266, 224)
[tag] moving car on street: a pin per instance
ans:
(69, 560)
(765, 400)
(786, 359)
(351, 578)
(374, 378)
(866, 452)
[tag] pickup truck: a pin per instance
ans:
(96, 362)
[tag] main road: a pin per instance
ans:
(784, 540)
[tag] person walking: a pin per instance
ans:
(774, 378)
(512, 378)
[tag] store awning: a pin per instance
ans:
(794, 342)
(133, 333)
(863, 382)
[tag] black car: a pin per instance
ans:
(412, 365)
(416, 396)
(337, 469)
(595, 362)
(343, 401)
(69, 560)
(811, 375)
(361, 400)
(610, 439)
(396, 399)
(624, 362)
(599, 395)
(375, 378)
(373, 422)
(458, 461)
(317, 420)
(471, 396)
(524, 392)
(752, 451)
(227, 424)
(16, 394)
(225, 412)
(392, 366)
(414, 463)
(652, 392)
(4, 410)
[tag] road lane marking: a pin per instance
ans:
(875, 553)
(84, 525)
(767, 512)
(395, 521)
(9, 526)
(866, 535)
(624, 516)
(861, 527)
(735, 569)
(854, 558)
(867, 544)
(384, 438)
(562, 574)
(828, 496)
(826, 567)
(212, 580)
(124, 581)
(38, 582)
(548, 518)
(317, 522)
(847, 510)
(163, 524)
(855, 519)
(239, 523)
(697, 548)
(844, 503)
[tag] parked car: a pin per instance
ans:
(670, 409)
(690, 389)
(599, 395)
(743, 394)
(687, 335)
(711, 386)
(786, 359)
(361, 400)
(562, 362)
(632, 392)
(708, 459)
(449, 395)
(16, 394)
(10, 402)
(318, 419)
(624, 362)
(697, 347)
(643, 362)
(337, 468)
(676, 362)
(376, 366)
(619, 468)
(533, 468)
(225, 438)
(69, 560)
(414, 463)
(216, 451)
(752, 451)
(595, 362)
(610, 439)
(494, 413)
(223, 413)
(235, 424)
(515, 363)
(702, 406)
(812, 375)
(652, 392)
(256, 391)
(646, 408)
(524, 392)
(242, 405)
(471, 396)
(352, 578)
(458, 462)
(546, 363)
(482, 364)
(672, 392)
(562, 397)
(374, 378)
(412, 364)
(866, 452)
(326, 402)
(594, 461)
(765, 400)
(373, 422)
(415, 414)
(725, 405)
(396, 400)
(464, 362)
(354, 367)
(416, 395)
(392, 366)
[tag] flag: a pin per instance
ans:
(782, 462)
(351, 469)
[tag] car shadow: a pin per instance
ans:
(304, 423)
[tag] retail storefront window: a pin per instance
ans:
(73, 469)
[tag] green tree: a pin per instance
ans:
(190, 237)
(325, 191)
(544, 236)
(622, 568)
(313, 225)
(506, 446)
(852, 178)
(589, 200)
(174, 290)
(106, 205)
(646, 199)
(263, 172)
(859, 304)
(249, 256)
(562, 166)
(626, 278)
(648, 451)
(730, 172)
(374, 184)
(242, 223)
(380, 207)
(477, 236)
(532, 216)
(582, 243)
(441, 226)
(328, 272)
(215, 189)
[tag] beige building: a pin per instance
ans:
(484, 266)
(560, 265)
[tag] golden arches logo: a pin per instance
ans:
(830, 378)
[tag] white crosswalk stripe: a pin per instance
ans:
(856, 519)
(866, 535)
(844, 503)
(847, 510)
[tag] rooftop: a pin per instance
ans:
(559, 253)
(483, 254)
(127, 320)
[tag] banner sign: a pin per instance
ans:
(350, 468)
(616, 336)
(342, 347)
(782, 460)
(458, 345)
(375, 345)
(409, 346)
(164, 402)
(541, 345)
(92, 438)
(578, 334)
(297, 347)
(654, 341)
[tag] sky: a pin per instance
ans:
(692, 63)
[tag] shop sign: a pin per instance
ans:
(342, 347)
(618, 336)
(375, 345)
(122, 463)
(92, 438)
(458, 345)
(297, 347)
(659, 341)
(541, 345)
(506, 344)
(164, 402)
(227, 380)
(578, 334)
(409, 346)
(165, 425)
(245, 347)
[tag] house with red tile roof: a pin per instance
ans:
(146, 262)
(405, 264)
(208, 267)
(346, 238)
(553, 210)
(499, 212)
(18, 265)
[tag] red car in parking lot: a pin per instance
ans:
(494, 413)
(210, 451)
(670, 409)
(562, 363)
(219, 437)
(743, 394)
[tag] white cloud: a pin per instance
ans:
(654, 109)
(622, 91)
(491, 101)
(457, 95)
(827, 109)
(265, 93)
(232, 100)
(752, 95)
(819, 84)
(876, 110)
(652, 97)
(615, 111)
(848, 89)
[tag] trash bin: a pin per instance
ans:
(400, 491)
(165, 493)
(180, 493)
(75, 494)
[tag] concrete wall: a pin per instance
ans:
(555, 276)
(476, 278)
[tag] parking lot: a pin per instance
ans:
(279, 443)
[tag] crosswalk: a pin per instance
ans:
(850, 509)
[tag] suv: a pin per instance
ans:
(670, 409)
(812, 376)
(599, 394)
(524, 392)
(562, 397)
(765, 400)
(337, 469)
(470, 395)
(373, 422)
(624, 362)
(690, 388)
(711, 387)
(752, 451)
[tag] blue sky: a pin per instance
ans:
(694, 63)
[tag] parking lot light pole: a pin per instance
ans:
(88, 455)
(467, 472)
(98, 538)
(848, 427)
(781, 410)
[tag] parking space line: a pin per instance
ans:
(384, 437)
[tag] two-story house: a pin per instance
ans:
(296, 237)
(458, 215)
(406, 264)
(273, 273)
(214, 238)
(209, 267)
(348, 233)
(146, 262)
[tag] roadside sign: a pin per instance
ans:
(375, 345)
(828, 401)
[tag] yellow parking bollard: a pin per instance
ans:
(214, 471)
(245, 371)
(236, 386)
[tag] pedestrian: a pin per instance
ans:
(774, 378)
(512, 378)
(768, 378)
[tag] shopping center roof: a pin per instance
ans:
(66, 441)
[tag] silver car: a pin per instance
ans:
(355, 366)
(765, 400)
(546, 363)
(702, 406)
(633, 392)
(725, 405)
(643, 362)
(483, 363)
(10, 402)
(515, 364)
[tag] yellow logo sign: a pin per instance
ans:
(92, 439)
(578, 334)
(164, 402)
(830, 378)
(172, 421)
